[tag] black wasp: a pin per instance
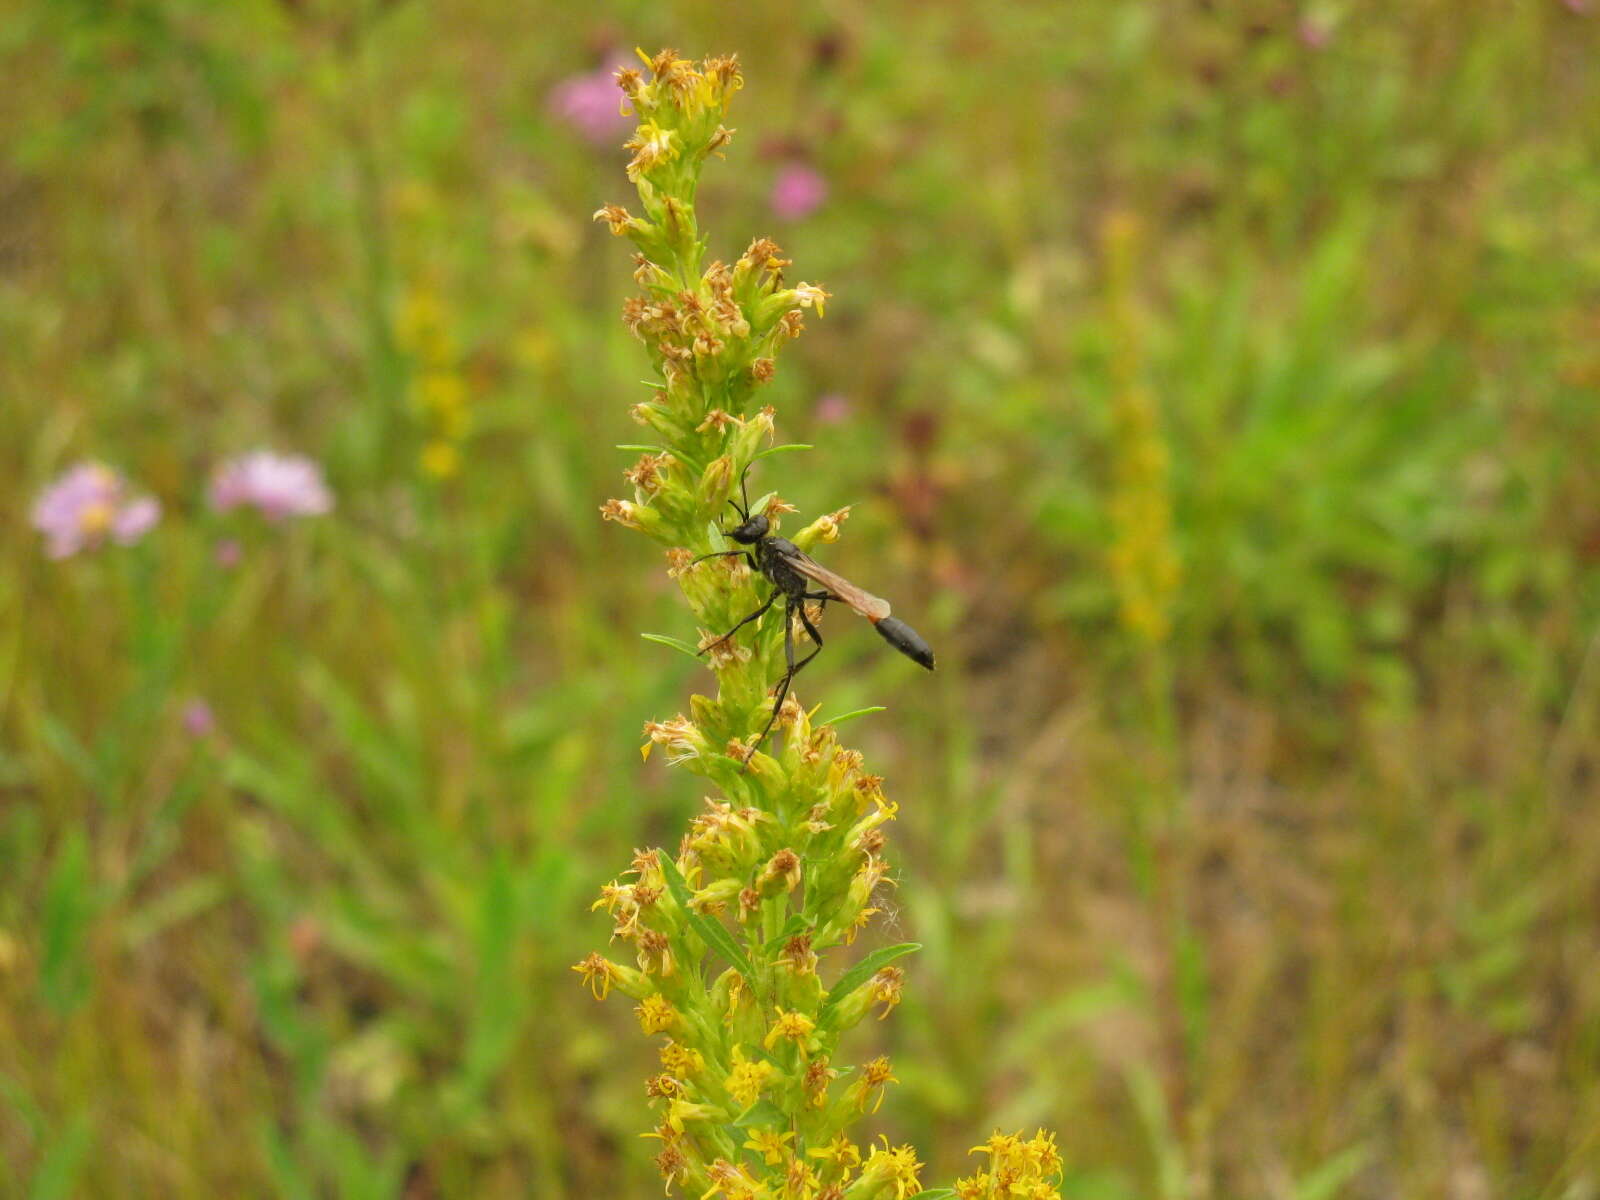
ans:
(797, 577)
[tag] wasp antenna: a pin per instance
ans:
(744, 488)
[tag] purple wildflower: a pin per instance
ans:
(89, 504)
(798, 191)
(279, 485)
(591, 103)
(228, 553)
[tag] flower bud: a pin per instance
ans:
(653, 147)
(622, 223)
(679, 735)
(639, 93)
(649, 474)
(781, 874)
(655, 415)
(728, 840)
(866, 880)
(746, 443)
(716, 483)
(823, 530)
(883, 812)
(715, 897)
(642, 517)
(600, 975)
(883, 987)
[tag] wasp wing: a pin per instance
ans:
(864, 602)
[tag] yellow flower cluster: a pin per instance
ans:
(748, 1079)
(1017, 1169)
(439, 391)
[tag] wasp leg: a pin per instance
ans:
(758, 612)
(783, 685)
(811, 630)
(718, 554)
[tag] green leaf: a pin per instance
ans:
(288, 1179)
(71, 751)
(782, 449)
(710, 931)
(676, 643)
(1150, 1102)
(642, 449)
(71, 901)
(177, 903)
(762, 1112)
(384, 751)
(854, 713)
(57, 1175)
(937, 1194)
(497, 1003)
(1325, 1182)
(20, 1105)
(862, 971)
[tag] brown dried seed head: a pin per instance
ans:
(620, 511)
(615, 216)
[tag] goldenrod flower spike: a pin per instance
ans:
(741, 936)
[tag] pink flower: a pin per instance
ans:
(1314, 34)
(198, 719)
(228, 554)
(592, 104)
(832, 408)
(279, 485)
(89, 504)
(798, 191)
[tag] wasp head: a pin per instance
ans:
(751, 531)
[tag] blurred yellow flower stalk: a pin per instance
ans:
(439, 391)
(1144, 565)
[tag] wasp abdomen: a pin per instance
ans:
(906, 640)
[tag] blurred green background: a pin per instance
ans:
(1216, 387)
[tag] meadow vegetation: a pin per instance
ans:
(1215, 386)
